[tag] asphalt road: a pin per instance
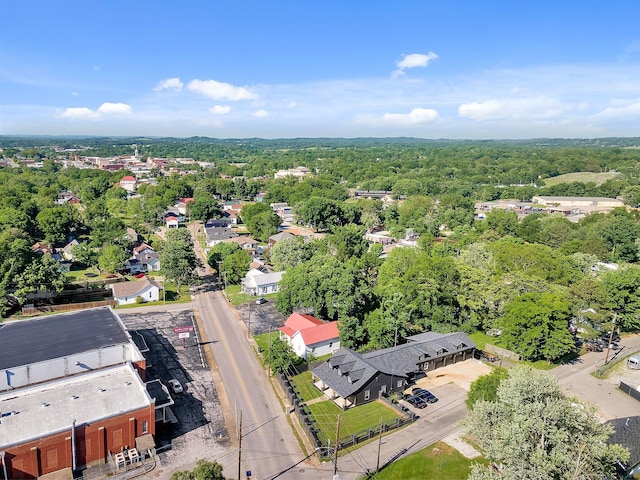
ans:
(268, 446)
(575, 378)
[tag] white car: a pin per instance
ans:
(175, 385)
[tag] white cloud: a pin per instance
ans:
(74, 94)
(84, 113)
(618, 111)
(535, 108)
(220, 90)
(415, 117)
(171, 84)
(413, 60)
(220, 109)
(260, 113)
(79, 113)
(115, 108)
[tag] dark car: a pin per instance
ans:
(417, 401)
(425, 395)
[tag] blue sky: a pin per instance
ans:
(234, 69)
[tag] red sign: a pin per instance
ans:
(187, 328)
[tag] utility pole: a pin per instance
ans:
(337, 447)
(240, 446)
(613, 326)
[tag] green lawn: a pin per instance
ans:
(353, 420)
(234, 293)
(263, 339)
(481, 339)
(583, 177)
(436, 462)
(305, 387)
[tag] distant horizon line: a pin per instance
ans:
(439, 139)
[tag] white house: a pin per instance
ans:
(256, 282)
(309, 336)
(172, 221)
(128, 183)
(126, 293)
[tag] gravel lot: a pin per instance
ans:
(200, 432)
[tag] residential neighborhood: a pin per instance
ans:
(382, 307)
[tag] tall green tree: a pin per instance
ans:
(220, 251)
(290, 253)
(235, 266)
(320, 213)
(348, 241)
(536, 325)
(622, 288)
(532, 430)
(57, 222)
(42, 275)
(178, 259)
(112, 258)
(204, 207)
(261, 220)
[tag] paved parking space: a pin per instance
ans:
(261, 318)
(200, 432)
(447, 394)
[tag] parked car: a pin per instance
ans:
(261, 300)
(425, 395)
(175, 386)
(140, 275)
(417, 401)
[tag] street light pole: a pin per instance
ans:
(613, 326)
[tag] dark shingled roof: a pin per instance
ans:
(347, 372)
(45, 338)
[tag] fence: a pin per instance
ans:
(629, 390)
(314, 432)
(502, 352)
(66, 307)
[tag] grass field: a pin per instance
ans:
(305, 387)
(353, 420)
(237, 297)
(436, 462)
(263, 339)
(481, 339)
(582, 177)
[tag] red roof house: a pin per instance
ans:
(309, 336)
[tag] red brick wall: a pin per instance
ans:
(93, 442)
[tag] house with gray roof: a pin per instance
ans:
(350, 378)
(216, 235)
(257, 282)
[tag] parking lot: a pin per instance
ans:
(200, 431)
(262, 318)
(449, 384)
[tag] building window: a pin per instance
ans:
(367, 394)
(145, 427)
(330, 344)
(399, 384)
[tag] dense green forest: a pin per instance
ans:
(535, 280)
